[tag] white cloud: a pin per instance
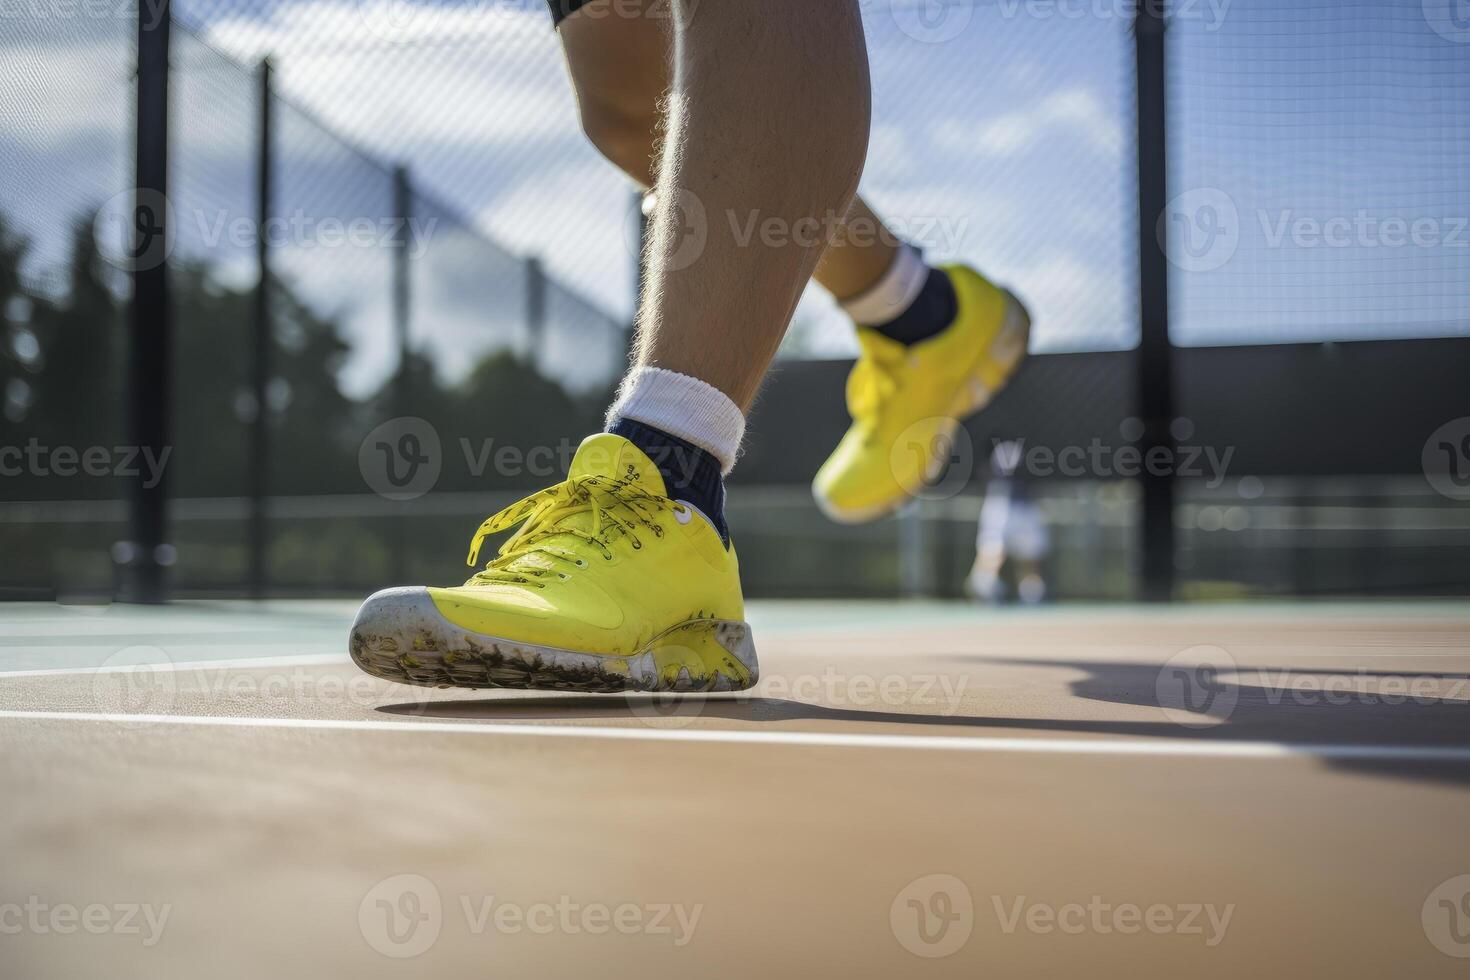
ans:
(1073, 114)
(891, 155)
(577, 214)
(1075, 304)
(502, 66)
(53, 93)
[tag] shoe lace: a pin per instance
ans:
(617, 507)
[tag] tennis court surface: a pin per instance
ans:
(212, 789)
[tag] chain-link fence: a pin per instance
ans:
(1318, 181)
(379, 301)
(448, 270)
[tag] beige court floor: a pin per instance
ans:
(212, 790)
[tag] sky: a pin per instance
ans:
(1302, 131)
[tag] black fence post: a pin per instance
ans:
(402, 313)
(146, 556)
(535, 312)
(262, 336)
(1155, 381)
(402, 298)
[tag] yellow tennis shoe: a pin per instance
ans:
(907, 401)
(608, 586)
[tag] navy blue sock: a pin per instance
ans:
(690, 474)
(935, 308)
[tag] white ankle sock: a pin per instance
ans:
(682, 406)
(893, 294)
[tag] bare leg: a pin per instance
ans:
(859, 255)
(750, 141)
(621, 68)
(1030, 585)
(984, 578)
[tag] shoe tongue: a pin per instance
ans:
(616, 458)
(864, 398)
(604, 455)
(879, 347)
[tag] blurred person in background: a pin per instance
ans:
(1011, 528)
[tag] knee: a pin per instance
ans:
(623, 134)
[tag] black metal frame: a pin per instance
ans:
(1155, 377)
(145, 557)
(262, 336)
(402, 330)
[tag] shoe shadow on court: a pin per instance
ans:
(1368, 721)
(659, 710)
(1376, 713)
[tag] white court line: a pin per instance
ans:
(294, 660)
(962, 743)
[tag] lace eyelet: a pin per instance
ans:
(581, 563)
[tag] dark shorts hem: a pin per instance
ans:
(561, 9)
